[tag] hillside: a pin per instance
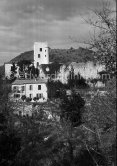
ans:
(57, 55)
(60, 55)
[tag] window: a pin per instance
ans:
(37, 64)
(45, 50)
(39, 95)
(30, 96)
(30, 87)
(39, 87)
(40, 49)
(22, 88)
(16, 95)
(38, 55)
(15, 88)
(45, 55)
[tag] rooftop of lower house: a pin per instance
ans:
(29, 81)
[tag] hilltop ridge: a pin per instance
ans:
(57, 55)
(60, 55)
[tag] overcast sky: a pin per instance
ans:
(22, 22)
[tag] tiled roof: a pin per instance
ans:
(29, 81)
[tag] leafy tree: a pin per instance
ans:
(54, 89)
(23, 63)
(36, 144)
(23, 97)
(10, 142)
(76, 81)
(72, 108)
(28, 99)
(35, 99)
(104, 43)
(36, 72)
(100, 123)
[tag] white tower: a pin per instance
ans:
(41, 53)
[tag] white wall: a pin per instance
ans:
(7, 70)
(34, 91)
(89, 70)
(86, 70)
(44, 54)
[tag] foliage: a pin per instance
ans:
(10, 142)
(72, 109)
(104, 43)
(36, 98)
(23, 97)
(28, 99)
(23, 63)
(100, 119)
(83, 135)
(13, 72)
(55, 89)
(77, 82)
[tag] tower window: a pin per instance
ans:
(37, 64)
(45, 55)
(40, 49)
(45, 50)
(38, 55)
(30, 87)
(39, 87)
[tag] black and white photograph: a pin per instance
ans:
(58, 82)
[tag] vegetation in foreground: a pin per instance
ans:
(73, 135)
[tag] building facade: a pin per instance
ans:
(30, 89)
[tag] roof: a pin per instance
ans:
(7, 63)
(103, 72)
(29, 81)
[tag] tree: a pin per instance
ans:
(76, 81)
(23, 63)
(100, 123)
(10, 142)
(54, 89)
(104, 44)
(72, 108)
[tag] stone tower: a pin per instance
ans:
(41, 53)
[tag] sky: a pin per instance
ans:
(59, 22)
